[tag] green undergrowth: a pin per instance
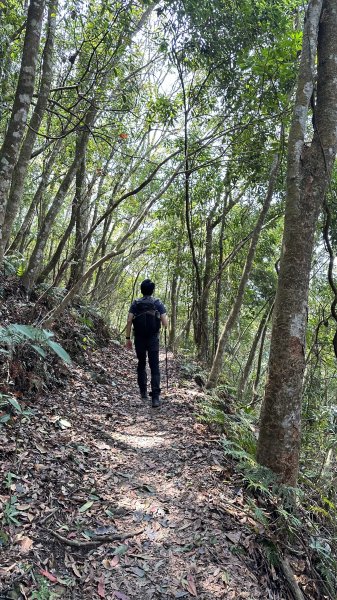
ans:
(300, 523)
(190, 369)
(33, 358)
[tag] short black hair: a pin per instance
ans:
(147, 287)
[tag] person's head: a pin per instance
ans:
(147, 287)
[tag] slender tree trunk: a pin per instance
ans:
(259, 362)
(36, 260)
(203, 320)
(51, 266)
(174, 300)
(54, 259)
(248, 366)
(235, 310)
(82, 209)
(76, 288)
(20, 171)
(173, 312)
(113, 206)
(188, 211)
(218, 292)
(23, 97)
(101, 250)
(19, 241)
(308, 175)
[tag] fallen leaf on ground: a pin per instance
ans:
(64, 424)
(233, 536)
(121, 596)
(102, 445)
(191, 586)
(111, 564)
(121, 549)
(86, 506)
(49, 576)
(41, 449)
(101, 588)
(25, 544)
(104, 530)
(137, 571)
(76, 571)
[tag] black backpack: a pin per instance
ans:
(146, 320)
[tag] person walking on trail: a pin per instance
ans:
(147, 314)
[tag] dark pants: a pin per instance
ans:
(149, 346)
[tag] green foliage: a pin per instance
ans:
(9, 405)
(43, 592)
(284, 513)
(10, 512)
(163, 110)
(16, 335)
(14, 265)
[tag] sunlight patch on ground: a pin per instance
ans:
(141, 441)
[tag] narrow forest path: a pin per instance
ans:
(96, 460)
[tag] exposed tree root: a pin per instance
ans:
(290, 577)
(95, 542)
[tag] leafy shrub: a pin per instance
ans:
(14, 264)
(290, 518)
(16, 335)
(8, 405)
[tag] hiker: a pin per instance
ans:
(147, 314)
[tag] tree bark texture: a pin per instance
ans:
(20, 171)
(23, 97)
(308, 175)
(259, 365)
(81, 221)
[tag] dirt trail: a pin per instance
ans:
(95, 460)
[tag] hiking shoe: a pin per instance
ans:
(144, 396)
(156, 402)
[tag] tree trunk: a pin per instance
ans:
(54, 259)
(308, 175)
(252, 352)
(218, 292)
(36, 260)
(235, 310)
(81, 221)
(19, 174)
(203, 320)
(19, 240)
(174, 300)
(259, 363)
(23, 97)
